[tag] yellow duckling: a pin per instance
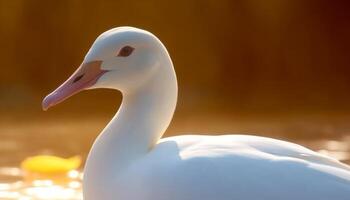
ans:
(50, 164)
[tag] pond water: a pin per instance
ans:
(23, 186)
(68, 137)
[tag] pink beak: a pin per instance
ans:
(83, 78)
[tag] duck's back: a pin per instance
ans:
(234, 167)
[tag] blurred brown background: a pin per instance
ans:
(276, 68)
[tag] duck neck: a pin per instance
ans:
(141, 120)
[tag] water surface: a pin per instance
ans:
(327, 134)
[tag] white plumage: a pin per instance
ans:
(129, 160)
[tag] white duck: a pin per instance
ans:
(129, 161)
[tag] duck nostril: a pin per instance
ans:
(78, 78)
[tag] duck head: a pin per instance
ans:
(122, 58)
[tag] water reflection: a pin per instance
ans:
(32, 187)
(336, 149)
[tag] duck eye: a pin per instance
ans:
(125, 51)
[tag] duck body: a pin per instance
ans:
(230, 167)
(130, 161)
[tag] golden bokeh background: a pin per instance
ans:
(276, 68)
(251, 55)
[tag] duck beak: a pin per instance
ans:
(83, 78)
